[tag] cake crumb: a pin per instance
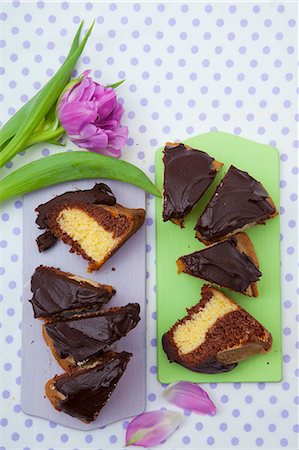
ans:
(113, 269)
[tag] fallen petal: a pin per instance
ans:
(190, 396)
(152, 428)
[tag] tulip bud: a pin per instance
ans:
(91, 115)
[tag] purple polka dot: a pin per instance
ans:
(17, 408)
(52, 424)
(208, 8)
(272, 427)
(259, 442)
(113, 439)
(152, 397)
(28, 423)
(15, 436)
(3, 422)
(153, 369)
(88, 438)
(27, 17)
(219, 23)
(284, 442)
(224, 399)
(154, 342)
(210, 440)
(186, 440)
(236, 412)
(64, 438)
(292, 223)
(39, 437)
(273, 399)
(260, 413)
(12, 284)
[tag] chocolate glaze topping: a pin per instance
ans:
(54, 293)
(99, 194)
(87, 337)
(224, 265)
(187, 175)
(87, 391)
(45, 241)
(239, 200)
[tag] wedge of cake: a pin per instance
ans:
(239, 202)
(75, 341)
(59, 295)
(215, 335)
(95, 231)
(231, 263)
(84, 392)
(99, 194)
(188, 173)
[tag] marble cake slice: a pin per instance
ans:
(231, 263)
(84, 392)
(188, 173)
(215, 335)
(74, 342)
(60, 295)
(99, 194)
(239, 202)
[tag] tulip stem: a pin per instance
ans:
(48, 135)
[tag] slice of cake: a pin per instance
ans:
(231, 263)
(84, 392)
(239, 202)
(75, 341)
(94, 231)
(60, 295)
(214, 335)
(99, 194)
(188, 173)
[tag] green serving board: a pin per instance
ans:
(176, 292)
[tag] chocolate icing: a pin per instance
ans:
(209, 365)
(99, 194)
(238, 201)
(87, 391)
(87, 337)
(224, 265)
(54, 293)
(45, 241)
(188, 173)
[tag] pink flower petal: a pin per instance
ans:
(152, 428)
(190, 396)
(91, 115)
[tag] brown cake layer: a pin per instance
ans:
(188, 173)
(99, 194)
(118, 222)
(231, 263)
(84, 392)
(239, 202)
(59, 295)
(233, 335)
(75, 341)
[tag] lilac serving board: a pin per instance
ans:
(128, 278)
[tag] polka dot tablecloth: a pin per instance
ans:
(189, 68)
